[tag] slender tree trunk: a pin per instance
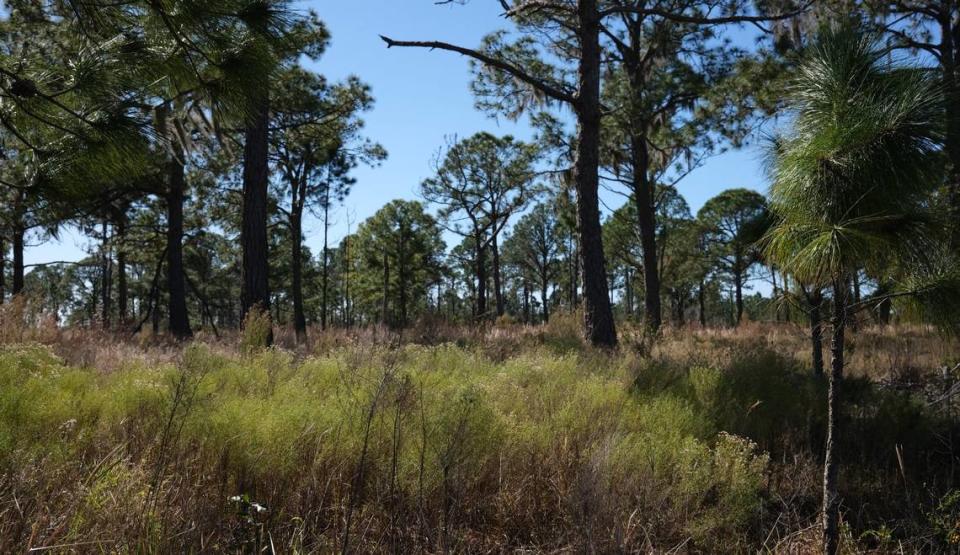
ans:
(385, 309)
(178, 317)
(738, 289)
(526, 301)
(831, 497)
(253, 232)
(325, 276)
(402, 277)
(702, 300)
(497, 284)
(105, 272)
(599, 327)
(18, 271)
(3, 270)
(776, 303)
(643, 196)
(122, 289)
(296, 270)
(481, 271)
(816, 332)
(544, 285)
(950, 60)
(628, 290)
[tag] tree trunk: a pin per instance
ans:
(544, 285)
(702, 300)
(3, 270)
(18, 271)
(402, 277)
(816, 333)
(950, 60)
(253, 233)
(647, 222)
(122, 290)
(599, 327)
(831, 497)
(105, 272)
(526, 301)
(385, 309)
(325, 277)
(480, 259)
(497, 284)
(738, 285)
(776, 304)
(178, 317)
(296, 269)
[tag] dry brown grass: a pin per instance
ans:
(158, 477)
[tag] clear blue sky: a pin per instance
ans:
(421, 98)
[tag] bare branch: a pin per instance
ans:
(539, 84)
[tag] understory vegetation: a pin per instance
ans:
(508, 438)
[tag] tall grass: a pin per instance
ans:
(522, 439)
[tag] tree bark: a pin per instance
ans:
(599, 327)
(702, 301)
(3, 271)
(497, 284)
(385, 309)
(255, 291)
(296, 267)
(105, 272)
(122, 289)
(178, 317)
(326, 268)
(647, 222)
(950, 60)
(738, 285)
(831, 498)
(18, 272)
(480, 260)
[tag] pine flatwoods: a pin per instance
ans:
(558, 345)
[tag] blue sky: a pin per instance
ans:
(421, 98)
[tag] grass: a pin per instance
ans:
(484, 441)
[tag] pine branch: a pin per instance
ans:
(539, 84)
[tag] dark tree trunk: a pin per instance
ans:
(544, 285)
(831, 497)
(738, 289)
(255, 291)
(599, 326)
(497, 284)
(628, 291)
(3, 270)
(122, 290)
(702, 300)
(647, 221)
(481, 271)
(296, 269)
(526, 301)
(178, 317)
(776, 294)
(816, 332)
(950, 60)
(402, 273)
(325, 277)
(385, 309)
(105, 271)
(18, 238)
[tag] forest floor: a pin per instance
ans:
(445, 439)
